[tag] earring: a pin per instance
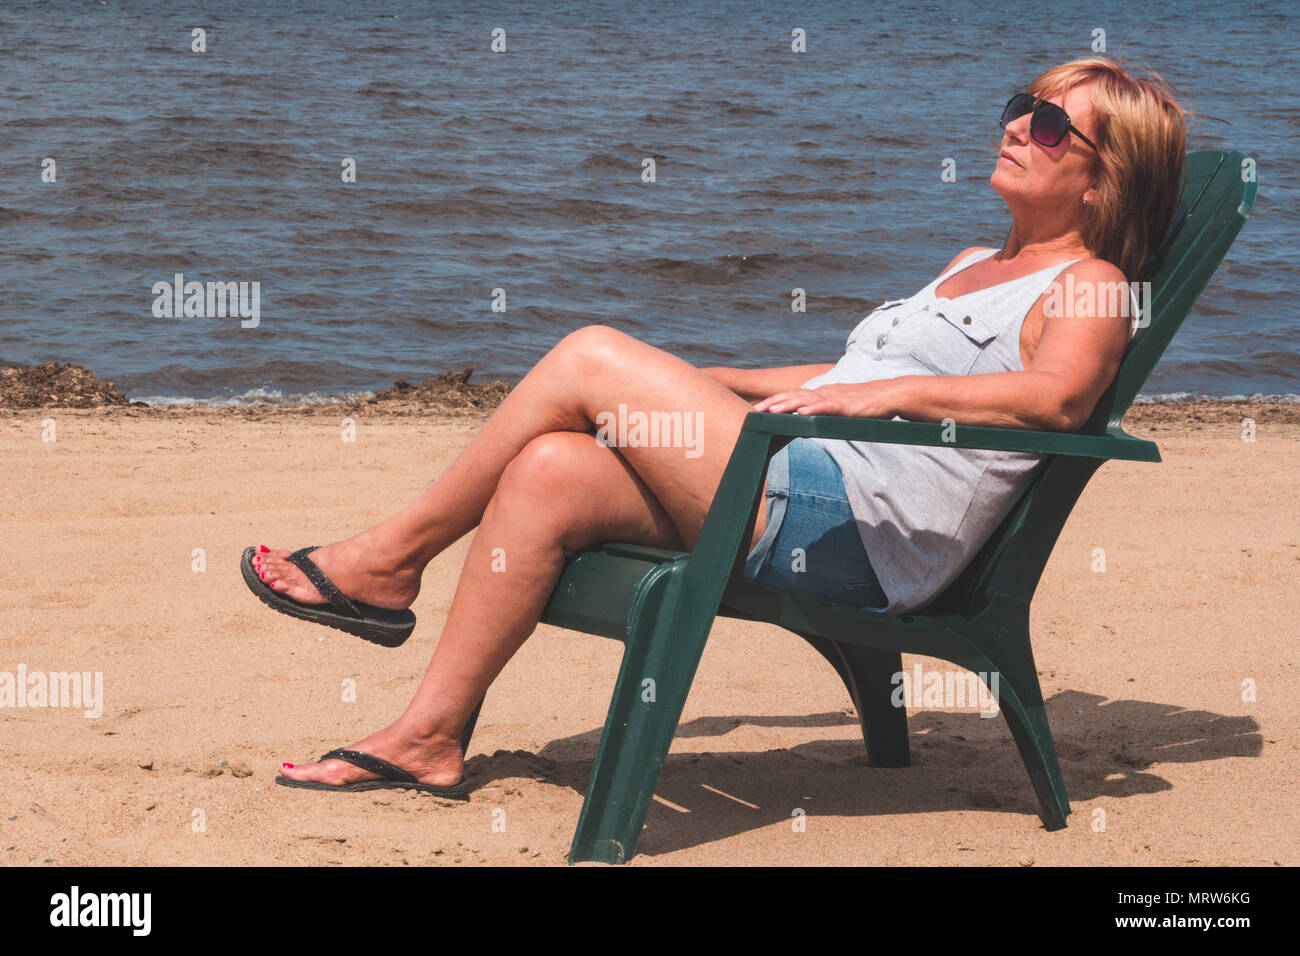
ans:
(1085, 200)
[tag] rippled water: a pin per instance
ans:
(522, 171)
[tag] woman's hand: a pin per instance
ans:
(864, 400)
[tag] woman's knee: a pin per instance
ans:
(550, 464)
(594, 348)
(547, 486)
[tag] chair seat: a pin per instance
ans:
(599, 590)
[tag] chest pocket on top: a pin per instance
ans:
(952, 339)
(885, 308)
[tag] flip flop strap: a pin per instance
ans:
(372, 763)
(336, 598)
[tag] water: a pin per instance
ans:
(521, 171)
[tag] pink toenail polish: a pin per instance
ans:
(287, 766)
(263, 549)
(262, 575)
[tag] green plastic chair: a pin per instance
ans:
(662, 604)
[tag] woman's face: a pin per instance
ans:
(1030, 176)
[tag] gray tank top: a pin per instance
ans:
(924, 512)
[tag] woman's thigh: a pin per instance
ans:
(675, 425)
(569, 487)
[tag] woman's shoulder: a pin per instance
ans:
(1099, 289)
(1095, 270)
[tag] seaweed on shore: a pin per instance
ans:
(450, 390)
(52, 384)
(55, 385)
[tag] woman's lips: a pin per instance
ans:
(1007, 156)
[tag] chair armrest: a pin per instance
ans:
(723, 543)
(1115, 444)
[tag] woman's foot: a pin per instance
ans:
(359, 567)
(437, 760)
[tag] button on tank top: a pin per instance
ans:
(924, 512)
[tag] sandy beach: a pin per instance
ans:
(1168, 675)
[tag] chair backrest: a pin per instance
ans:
(1217, 197)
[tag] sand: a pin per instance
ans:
(121, 540)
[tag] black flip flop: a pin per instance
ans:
(377, 624)
(392, 778)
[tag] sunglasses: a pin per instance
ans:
(1049, 124)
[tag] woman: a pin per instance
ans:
(1090, 168)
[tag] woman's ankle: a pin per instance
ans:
(435, 739)
(386, 551)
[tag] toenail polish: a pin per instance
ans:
(287, 766)
(262, 549)
(262, 575)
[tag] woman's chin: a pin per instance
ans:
(1005, 182)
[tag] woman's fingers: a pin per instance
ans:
(801, 402)
(785, 401)
(816, 408)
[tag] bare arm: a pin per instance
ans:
(753, 384)
(1002, 399)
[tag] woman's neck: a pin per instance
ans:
(1021, 245)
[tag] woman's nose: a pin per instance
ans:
(1018, 128)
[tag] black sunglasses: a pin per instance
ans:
(1049, 124)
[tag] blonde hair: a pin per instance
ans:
(1141, 139)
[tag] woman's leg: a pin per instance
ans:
(591, 371)
(564, 490)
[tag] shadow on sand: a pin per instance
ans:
(960, 761)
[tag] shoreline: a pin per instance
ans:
(1192, 414)
(51, 387)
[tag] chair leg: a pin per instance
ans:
(884, 726)
(1033, 736)
(869, 677)
(658, 667)
(831, 651)
(1020, 698)
(668, 625)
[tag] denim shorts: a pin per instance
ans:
(811, 544)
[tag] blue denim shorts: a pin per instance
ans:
(811, 543)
